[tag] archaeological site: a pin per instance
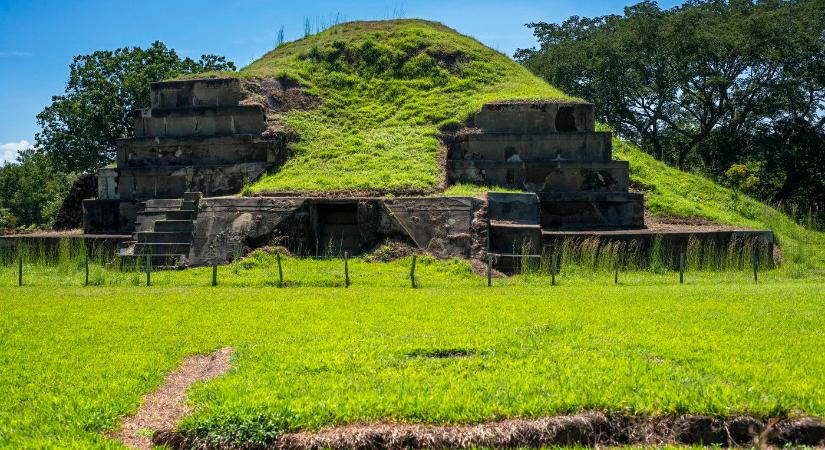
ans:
(177, 183)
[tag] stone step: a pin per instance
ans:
(181, 215)
(592, 146)
(189, 205)
(513, 207)
(174, 226)
(160, 237)
(517, 238)
(195, 150)
(199, 121)
(535, 117)
(195, 92)
(162, 248)
(541, 176)
(161, 204)
(591, 210)
(192, 196)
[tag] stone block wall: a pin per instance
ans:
(548, 148)
(194, 137)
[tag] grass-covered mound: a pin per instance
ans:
(387, 87)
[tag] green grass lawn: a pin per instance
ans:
(74, 359)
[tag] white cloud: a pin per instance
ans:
(8, 151)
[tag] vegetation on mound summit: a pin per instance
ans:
(387, 89)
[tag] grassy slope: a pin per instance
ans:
(669, 191)
(387, 87)
(538, 351)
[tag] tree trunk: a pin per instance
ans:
(791, 184)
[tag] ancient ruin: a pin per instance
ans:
(175, 184)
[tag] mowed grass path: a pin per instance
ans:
(73, 360)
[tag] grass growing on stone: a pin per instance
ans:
(76, 359)
(387, 88)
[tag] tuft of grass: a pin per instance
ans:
(475, 190)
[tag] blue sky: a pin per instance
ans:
(39, 38)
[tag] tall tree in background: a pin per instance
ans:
(80, 127)
(705, 85)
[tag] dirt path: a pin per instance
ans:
(164, 408)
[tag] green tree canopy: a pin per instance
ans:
(80, 127)
(31, 190)
(705, 85)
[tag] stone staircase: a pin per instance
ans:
(164, 231)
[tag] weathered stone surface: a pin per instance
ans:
(535, 117)
(197, 150)
(440, 225)
(225, 225)
(521, 208)
(595, 146)
(583, 210)
(544, 176)
(196, 93)
(171, 182)
(202, 121)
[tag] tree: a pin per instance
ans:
(31, 190)
(80, 127)
(693, 84)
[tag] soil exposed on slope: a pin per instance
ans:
(586, 429)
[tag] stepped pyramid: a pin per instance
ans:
(552, 151)
(197, 136)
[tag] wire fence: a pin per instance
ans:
(72, 262)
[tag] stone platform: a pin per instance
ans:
(552, 149)
(195, 137)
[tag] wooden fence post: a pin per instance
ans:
(149, 269)
(87, 268)
(19, 263)
(554, 260)
(616, 275)
(412, 272)
(346, 269)
(681, 267)
(489, 270)
(280, 270)
(755, 265)
(214, 269)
